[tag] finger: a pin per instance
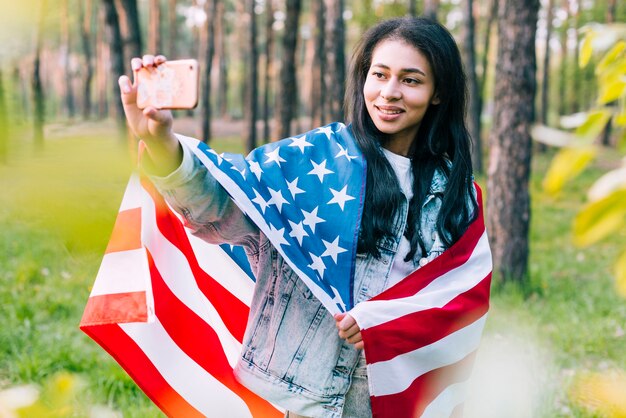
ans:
(159, 59)
(161, 116)
(360, 345)
(136, 64)
(349, 332)
(148, 60)
(338, 317)
(128, 96)
(346, 322)
(356, 338)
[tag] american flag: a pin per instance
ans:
(172, 309)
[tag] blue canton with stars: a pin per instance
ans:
(306, 194)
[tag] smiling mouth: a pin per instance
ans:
(388, 111)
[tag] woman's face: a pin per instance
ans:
(398, 90)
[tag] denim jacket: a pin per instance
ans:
(292, 355)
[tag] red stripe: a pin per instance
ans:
(422, 328)
(413, 401)
(452, 258)
(233, 311)
(126, 233)
(115, 308)
(139, 367)
(200, 342)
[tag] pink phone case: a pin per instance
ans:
(171, 85)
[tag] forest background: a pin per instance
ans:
(547, 83)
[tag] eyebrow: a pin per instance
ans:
(404, 70)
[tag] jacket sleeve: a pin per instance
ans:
(204, 204)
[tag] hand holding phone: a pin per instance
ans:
(170, 85)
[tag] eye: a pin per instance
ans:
(378, 75)
(412, 81)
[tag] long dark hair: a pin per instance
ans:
(442, 141)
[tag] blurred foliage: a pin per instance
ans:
(605, 211)
(603, 393)
(61, 396)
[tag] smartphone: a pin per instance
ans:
(171, 85)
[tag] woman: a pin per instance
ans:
(406, 103)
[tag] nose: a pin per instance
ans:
(390, 90)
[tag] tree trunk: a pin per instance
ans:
(269, 68)
(67, 50)
(493, 13)
(336, 64)
(611, 10)
(575, 99)
(37, 87)
(222, 76)
(545, 79)
(508, 201)
(431, 8)
(129, 16)
(318, 67)
(413, 8)
(564, 64)
(116, 52)
(85, 13)
(102, 64)
(287, 105)
(172, 24)
(473, 110)
(4, 125)
(210, 8)
(154, 28)
(252, 77)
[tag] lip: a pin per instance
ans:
(388, 113)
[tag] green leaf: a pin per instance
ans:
(620, 274)
(566, 165)
(586, 49)
(612, 92)
(610, 57)
(594, 125)
(600, 218)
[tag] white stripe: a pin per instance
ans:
(177, 274)
(217, 264)
(131, 199)
(198, 387)
(122, 272)
(443, 405)
(396, 375)
(247, 206)
(437, 294)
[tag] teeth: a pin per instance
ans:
(389, 112)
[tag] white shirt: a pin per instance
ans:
(402, 167)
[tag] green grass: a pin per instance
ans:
(57, 208)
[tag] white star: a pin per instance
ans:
(293, 188)
(311, 219)
(320, 170)
(326, 130)
(242, 171)
(340, 197)
(277, 236)
(219, 157)
(332, 249)
(260, 201)
(277, 199)
(317, 265)
(340, 127)
(300, 142)
(344, 153)
(255, 167)
(297, 231)
(274, 156)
